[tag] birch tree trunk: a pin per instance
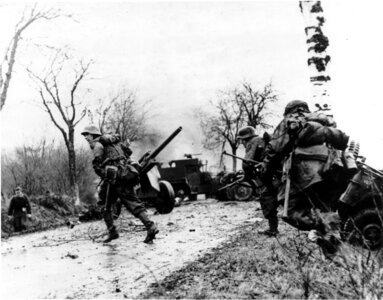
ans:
(317, 44)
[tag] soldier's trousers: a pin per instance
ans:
(269, 204)
(269, 199)
(127, 196)
(304, 207)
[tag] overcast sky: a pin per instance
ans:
(180, 54)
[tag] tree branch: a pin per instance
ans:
(74, 88)
(48, 110)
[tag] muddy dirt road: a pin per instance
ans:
(73, 263)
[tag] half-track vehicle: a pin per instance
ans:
(188, 177)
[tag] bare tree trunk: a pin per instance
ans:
(234, 151)
(53, 101)
(8, 74)
(72, 165)
(26, 20)
(317, 44)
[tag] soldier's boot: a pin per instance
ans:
(151, 228)
(151, 234)
(329, 245)
(113, 234)
(273, 228)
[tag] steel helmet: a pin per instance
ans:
(293, 106)
(246, 132)
(91, 129)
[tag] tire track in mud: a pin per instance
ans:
(67, 263)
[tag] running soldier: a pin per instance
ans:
(307, 145)
(112, 163)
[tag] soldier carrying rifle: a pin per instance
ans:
(255, 150)
(113, 165)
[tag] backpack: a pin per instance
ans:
(316, 129)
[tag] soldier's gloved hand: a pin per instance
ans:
(146, 157)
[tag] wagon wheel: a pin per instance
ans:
(365, 229)
(165, 200)
(242, 191)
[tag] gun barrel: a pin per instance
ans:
(243, 159)
(162, 146)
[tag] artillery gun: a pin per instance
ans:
(153, 189)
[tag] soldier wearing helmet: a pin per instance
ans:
(296, 106)
(91, 129)
(255, 150)
(110, 155)
(308, 190)
(253, 144)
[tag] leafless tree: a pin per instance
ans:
(222, 128)
(123, 113)
(255, 104)
(66, 111)
(29, 17)
(236, 108)
(43, 165)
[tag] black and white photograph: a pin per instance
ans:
(191, 149)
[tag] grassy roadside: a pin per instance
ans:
(253, 266)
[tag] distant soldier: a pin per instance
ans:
(112, 163)
(307, 144)
(19, 209)
(255, 150)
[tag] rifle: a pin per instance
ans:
(239, 180)
(250, 161)
(286, 173)
(233, 183)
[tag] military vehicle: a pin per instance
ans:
(361, 206)
(188, 177)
